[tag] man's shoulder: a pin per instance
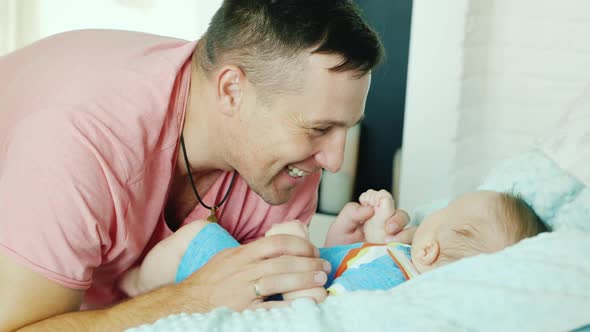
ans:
(111, 36)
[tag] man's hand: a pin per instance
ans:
(297, 228)
(396, 228)
(241, 277)
(348, 227)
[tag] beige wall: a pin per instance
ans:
(24, 21)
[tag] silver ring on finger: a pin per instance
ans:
(257, 291)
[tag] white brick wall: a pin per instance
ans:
(7, 26)
(486, 77)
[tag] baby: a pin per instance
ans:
(475, 223)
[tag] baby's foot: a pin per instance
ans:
(129, 283)
(384, 207)
(294, 227)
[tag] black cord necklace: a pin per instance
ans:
(212, 217)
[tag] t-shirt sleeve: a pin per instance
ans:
(56, 196)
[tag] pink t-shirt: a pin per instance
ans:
(89, 129)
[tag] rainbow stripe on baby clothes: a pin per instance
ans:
(372, 266)
(401, 255)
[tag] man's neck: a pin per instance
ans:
(204, 146)
(181, 198)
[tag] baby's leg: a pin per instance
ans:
(161, 263)
(296, 228)
(384, 206)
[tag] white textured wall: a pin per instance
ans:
(486, 78)
(30, 20)
(432, 99)
(8, 19)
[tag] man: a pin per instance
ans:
(107, 138)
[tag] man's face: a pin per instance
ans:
(277, 144)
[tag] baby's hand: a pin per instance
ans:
(384, 207)
(293, 227)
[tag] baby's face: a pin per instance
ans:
(474, 211)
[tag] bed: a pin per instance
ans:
(540, 284)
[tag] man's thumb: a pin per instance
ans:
(355, 214)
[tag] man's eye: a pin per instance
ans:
(321, 131)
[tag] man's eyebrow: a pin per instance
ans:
(336, 123)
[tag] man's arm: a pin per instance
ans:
(140, 310)
(34, 303)
(235, 278)
(28, 297)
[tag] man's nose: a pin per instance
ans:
(331, 154)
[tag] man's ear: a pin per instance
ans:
(230, 84)
(429, 254)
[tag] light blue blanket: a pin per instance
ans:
(540, 284)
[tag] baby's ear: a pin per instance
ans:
(429, 254)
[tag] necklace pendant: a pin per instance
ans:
(212, 217)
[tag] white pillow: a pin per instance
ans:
(569, 144)
(554, 177)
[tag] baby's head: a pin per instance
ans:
(475, 223)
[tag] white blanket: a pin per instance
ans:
(541, 284)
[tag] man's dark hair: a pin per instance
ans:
(265, 38)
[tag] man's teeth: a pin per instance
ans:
(295, 172)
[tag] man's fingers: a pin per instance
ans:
(274, 246)
(284, 283)
(354, 214)
(395, 228)
(405, 236)
(397, 222)
(289, 264)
